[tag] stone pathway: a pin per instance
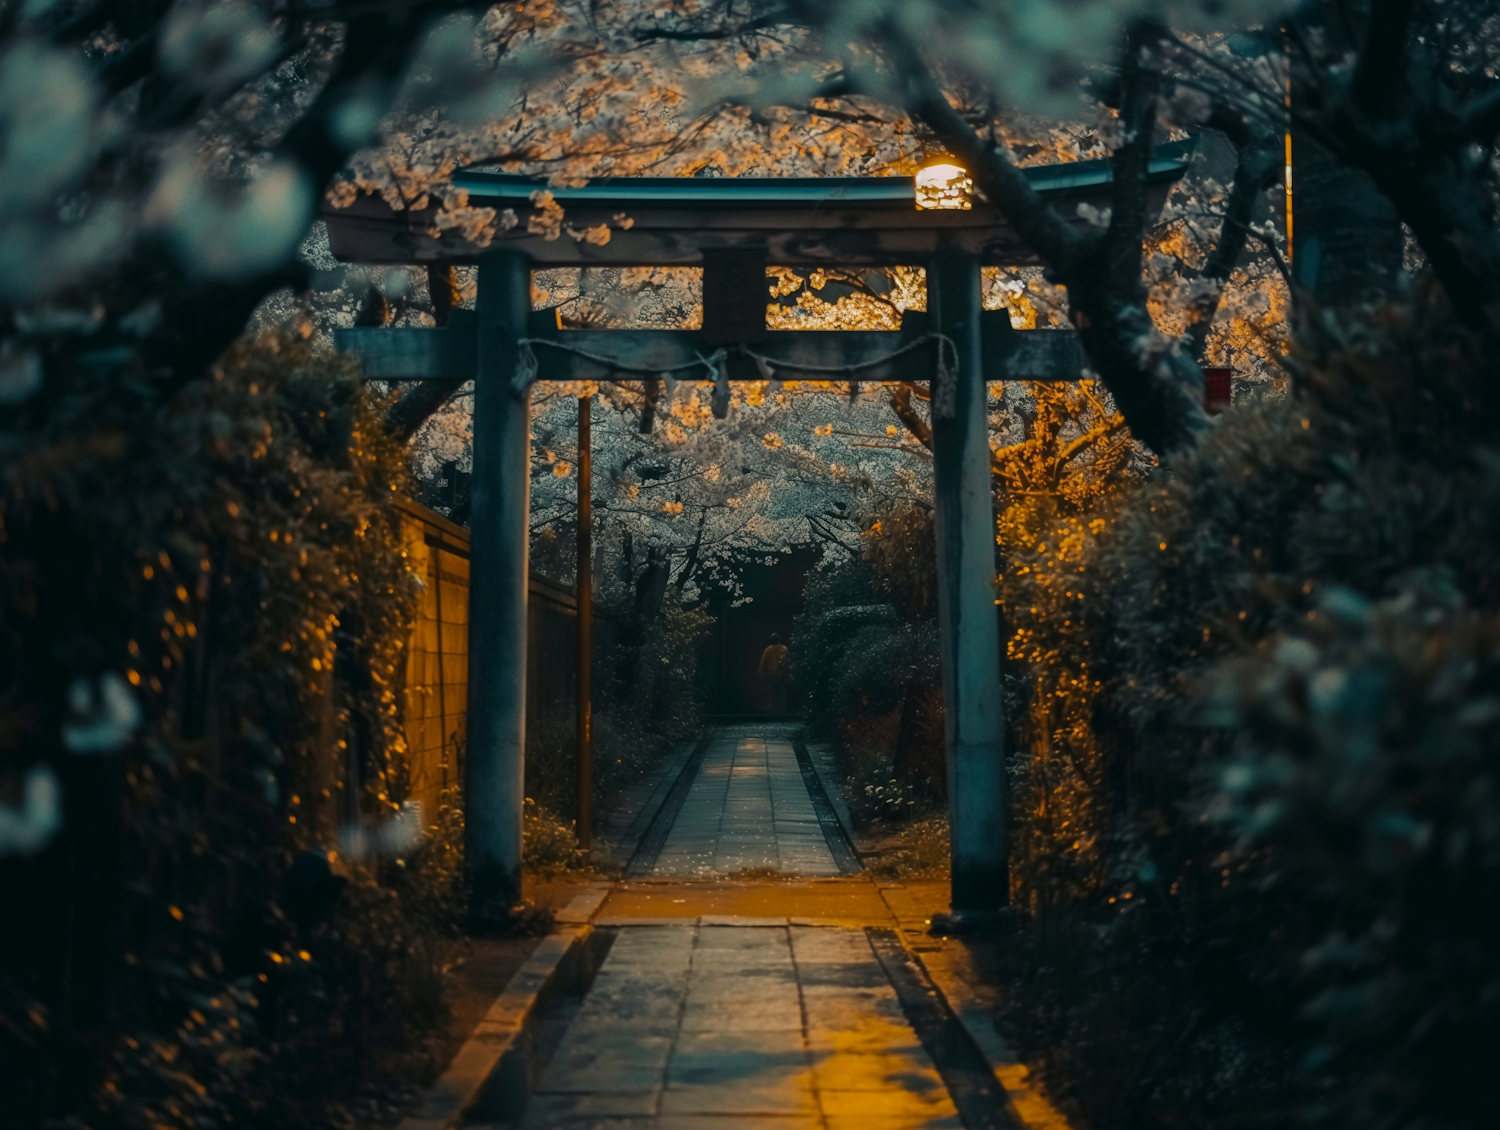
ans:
(747, 810)
(784, 1020)
(734, 1027)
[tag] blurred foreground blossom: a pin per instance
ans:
(47, 141)
(217, 46)
(1351, 736)
(46, 123)
(228, 232)
(393, 839)
(20, 373)
(29, 828)
(1033, 54)
(103, 715)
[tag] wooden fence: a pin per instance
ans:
(437, 673)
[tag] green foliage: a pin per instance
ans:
(659, 700)
(644, 705)
(854, 653)
(1362, 792)
(549, 844)
(838, 604)
(921, 851)
(1060, 487)
(235, 559)
(1296, 635)
(861, 663)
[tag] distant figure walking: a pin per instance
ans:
(773, 666)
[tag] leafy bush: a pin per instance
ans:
(204, 607)
(1294, 651)
(1362, 792)
(870, 674)
(839, 603)
(549, 844)
(633, 727)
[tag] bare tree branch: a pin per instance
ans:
(1257, 164)
(1001, 181)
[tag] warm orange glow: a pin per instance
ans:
(943, 184)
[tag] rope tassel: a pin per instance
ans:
(718, 370)
(945, 380)
(526, 367)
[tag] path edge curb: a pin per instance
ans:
(648, 848)
(833, 822)
(1027, 1105)
(493, 1074)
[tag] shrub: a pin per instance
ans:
(634, 726)
(1294, 652)
(204, 605)
(1362, 795)
(549, 844)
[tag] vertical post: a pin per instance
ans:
(585, 590)
(499, 513)
(968, 621)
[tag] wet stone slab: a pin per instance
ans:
(727, 1027)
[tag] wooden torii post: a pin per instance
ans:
(732, 228)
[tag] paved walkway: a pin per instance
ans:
(747, 810)
(789, 1021)
(741, 1028)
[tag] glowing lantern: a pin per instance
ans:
(943, 184)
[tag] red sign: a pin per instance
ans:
(1218, 389)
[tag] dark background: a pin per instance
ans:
(729, 657)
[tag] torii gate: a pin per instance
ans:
(733, 228)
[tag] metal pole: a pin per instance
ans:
(494, 769)
(968, 620)
(585, 590)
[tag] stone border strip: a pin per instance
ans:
(493, 1074)
(839, 845)
(620, 852)
(648, 849)
(1029, 1108)
(979, 1096)
(820, 756)
(584, 905)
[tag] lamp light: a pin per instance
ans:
(943, 183)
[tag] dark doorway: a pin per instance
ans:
(729, 662)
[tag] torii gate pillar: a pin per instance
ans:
(500, 503)
(968, 621)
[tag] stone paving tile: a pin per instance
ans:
(546, 1111)
(740, 1028)
(601, 1063)
(747, 809)
(890, 1102)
